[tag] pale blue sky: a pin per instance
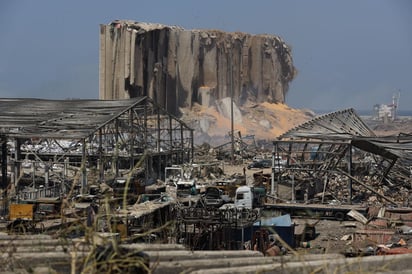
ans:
(349, 53)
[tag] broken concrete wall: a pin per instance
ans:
(173, 65)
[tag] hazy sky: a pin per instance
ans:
(349, 53)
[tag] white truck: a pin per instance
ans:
(249, 197)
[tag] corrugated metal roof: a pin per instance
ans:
(336, 125)
(401, 147)
(63, 119)
(348, 126)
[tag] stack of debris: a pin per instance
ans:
(387, 231)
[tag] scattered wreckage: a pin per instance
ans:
(314, 175)
(334, 165)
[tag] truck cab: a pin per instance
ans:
(249, 197)
(244, 197)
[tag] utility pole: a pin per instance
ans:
(231, 109)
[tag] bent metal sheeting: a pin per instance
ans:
(63, 119)
(346, 125)
(336, 125)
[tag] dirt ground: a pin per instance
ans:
(238, 169)
(330, 236)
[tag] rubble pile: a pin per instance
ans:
(386, 231)
(254, 121)
(396, 191)
(337, 190)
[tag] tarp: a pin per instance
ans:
(283, 220)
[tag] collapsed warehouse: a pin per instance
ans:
(329, 152)
(333, 158)
(323, 168)
(60, 148)
(336, 156)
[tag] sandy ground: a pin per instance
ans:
(238, 169)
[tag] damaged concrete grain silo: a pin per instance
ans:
(178, 67)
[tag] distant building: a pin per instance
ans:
(387, 111)
(384, 111)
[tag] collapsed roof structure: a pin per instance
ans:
(324, 149)
(95, 140)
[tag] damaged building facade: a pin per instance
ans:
(177, 67)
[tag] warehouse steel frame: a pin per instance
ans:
(70, 140)
(341, 143)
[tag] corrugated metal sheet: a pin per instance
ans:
(336, 125)
(346, 125)
(27, 118)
